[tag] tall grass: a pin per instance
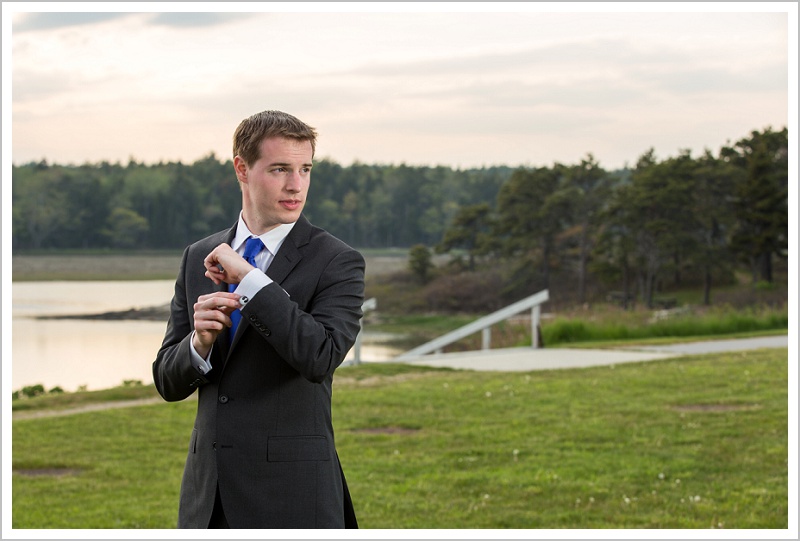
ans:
(621, 325)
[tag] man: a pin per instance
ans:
(262, 453)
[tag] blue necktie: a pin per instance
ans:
(252, 248)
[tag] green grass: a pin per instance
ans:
(627, 326)
(695, 442)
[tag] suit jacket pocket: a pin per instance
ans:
(297, 448)
(193, 441)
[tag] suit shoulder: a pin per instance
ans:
(212, 241)
(197, 251)
(323, 240)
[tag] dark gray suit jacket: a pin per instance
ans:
(263, 429)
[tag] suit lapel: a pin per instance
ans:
(289, 254)
(285, 260)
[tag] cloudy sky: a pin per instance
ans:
(463, 85)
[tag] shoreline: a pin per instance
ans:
(152, 313)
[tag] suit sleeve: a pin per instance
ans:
(316, 340)
(174, 375)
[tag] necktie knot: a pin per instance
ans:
(252, 248)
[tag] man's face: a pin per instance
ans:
(275, 187)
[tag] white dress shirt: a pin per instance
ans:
(256, 278)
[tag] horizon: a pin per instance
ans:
(212, 155)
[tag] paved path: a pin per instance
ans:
(98, 406)
(715, 346)
(527, 359)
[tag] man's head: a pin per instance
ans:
(252, 131)
(273, 154)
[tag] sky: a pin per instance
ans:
(454, 84)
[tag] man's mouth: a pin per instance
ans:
(290, 204)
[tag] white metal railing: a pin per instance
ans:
(484, 324)
(369, 304)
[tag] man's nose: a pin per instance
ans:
(294, 183)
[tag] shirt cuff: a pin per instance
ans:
(202, 365)
(252, 284)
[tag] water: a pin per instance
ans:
(97, 354)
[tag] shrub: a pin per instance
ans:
(420, 262)
(33, 390)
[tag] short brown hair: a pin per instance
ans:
(252, 131)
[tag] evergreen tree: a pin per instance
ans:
(761, 200)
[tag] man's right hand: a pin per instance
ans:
(211, 316)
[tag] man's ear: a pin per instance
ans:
(240, 167)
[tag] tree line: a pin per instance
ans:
(169, 205)
(704, 215)
(631, 226)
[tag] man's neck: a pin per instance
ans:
(255, 228)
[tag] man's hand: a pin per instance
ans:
(223, 264)
(211, 316)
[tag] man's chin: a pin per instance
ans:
(291, 217)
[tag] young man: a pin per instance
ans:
(262, 452)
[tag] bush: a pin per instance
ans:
(33, 390)
(420, 262)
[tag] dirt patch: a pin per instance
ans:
(394, 430)
(46, 472)
(715, 408)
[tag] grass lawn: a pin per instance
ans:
(695, 442)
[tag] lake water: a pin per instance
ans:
(98, 354)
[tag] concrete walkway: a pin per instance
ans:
(527, 359)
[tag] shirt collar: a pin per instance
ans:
(272, 239)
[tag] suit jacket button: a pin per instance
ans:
(267, 332)
(223, 399)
